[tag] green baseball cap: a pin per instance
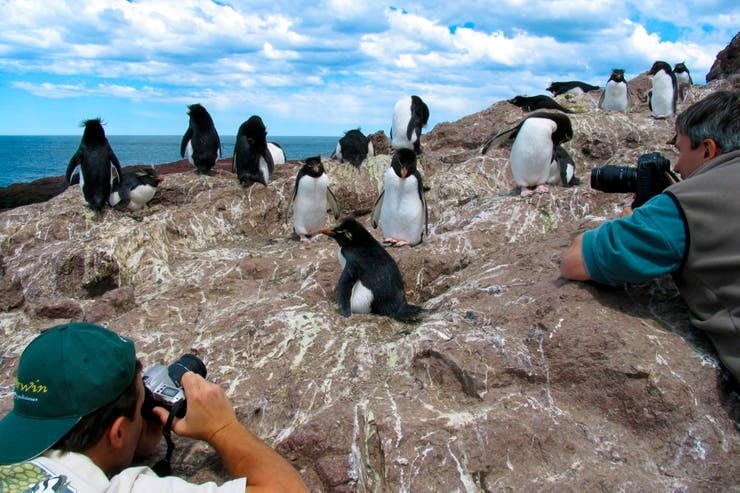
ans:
(67, 372)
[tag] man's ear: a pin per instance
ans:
(711, 149)
(117, 432)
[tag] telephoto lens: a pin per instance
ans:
(614, 179)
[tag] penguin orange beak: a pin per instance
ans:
(315, 169)
(404, 172)
(326, 231)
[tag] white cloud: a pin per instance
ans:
(342, 61)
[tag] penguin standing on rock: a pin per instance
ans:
(401, 205)
(135, 189)
(200, 144)
(683, 80)
(615, 97)
(370, 281)
(410, 115)
(252, 160)
(663, 94)
(95, 158)
(312, 197)
(353, 147)
(537, 156)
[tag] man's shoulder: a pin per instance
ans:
(144, 479)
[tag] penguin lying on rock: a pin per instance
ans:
(311, 198)
(353, 147)
(571, 87)
(370, 281)
(537, 157)
(533, 103)
(135, 189)
(96, 160)
(401, 206)
(277, 153)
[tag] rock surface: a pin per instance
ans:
(514, 380)
(727, 63)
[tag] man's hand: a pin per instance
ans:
(208, 409)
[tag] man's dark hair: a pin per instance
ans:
(90, 428)
(715, 117)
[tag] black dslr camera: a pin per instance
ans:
(163, 388)
(651, 176)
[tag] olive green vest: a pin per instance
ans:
(709, 278)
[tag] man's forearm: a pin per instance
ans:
(245, 455)
(572, 265)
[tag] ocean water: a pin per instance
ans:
(27, 158)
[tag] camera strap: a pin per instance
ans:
(164, 467)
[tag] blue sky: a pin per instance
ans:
(323, 67)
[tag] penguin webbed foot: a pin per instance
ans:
(409, 313)
(529, 191)
(394, 242)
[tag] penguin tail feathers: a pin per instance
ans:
(409, 313)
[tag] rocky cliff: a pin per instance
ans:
(515, 379)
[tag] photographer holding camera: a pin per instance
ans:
(691, 230)
(77, 423)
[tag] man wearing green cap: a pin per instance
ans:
(76, 423)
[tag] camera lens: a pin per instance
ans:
(614, 179)
(188, 362)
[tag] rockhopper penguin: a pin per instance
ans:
(200, 144)
(370, 281)
(401, 206)
(312, 197)
(95, 158)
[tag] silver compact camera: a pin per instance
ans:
(163, 388)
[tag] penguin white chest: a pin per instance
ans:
(615, 96)
(531, 153)
(309, 207)
(402, 213)
(264, 170)
(140, 196)
(361, 299)
(189, 152)
(662, 96)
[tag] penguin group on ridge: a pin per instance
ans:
(538, 158)
(370, 281)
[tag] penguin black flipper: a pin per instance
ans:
(114, 159)
(505, 137)
(377, 207)
(418, 120)
(332, 202)
(567, 167)
(423, 199)
(75, 161)
(185, 139)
